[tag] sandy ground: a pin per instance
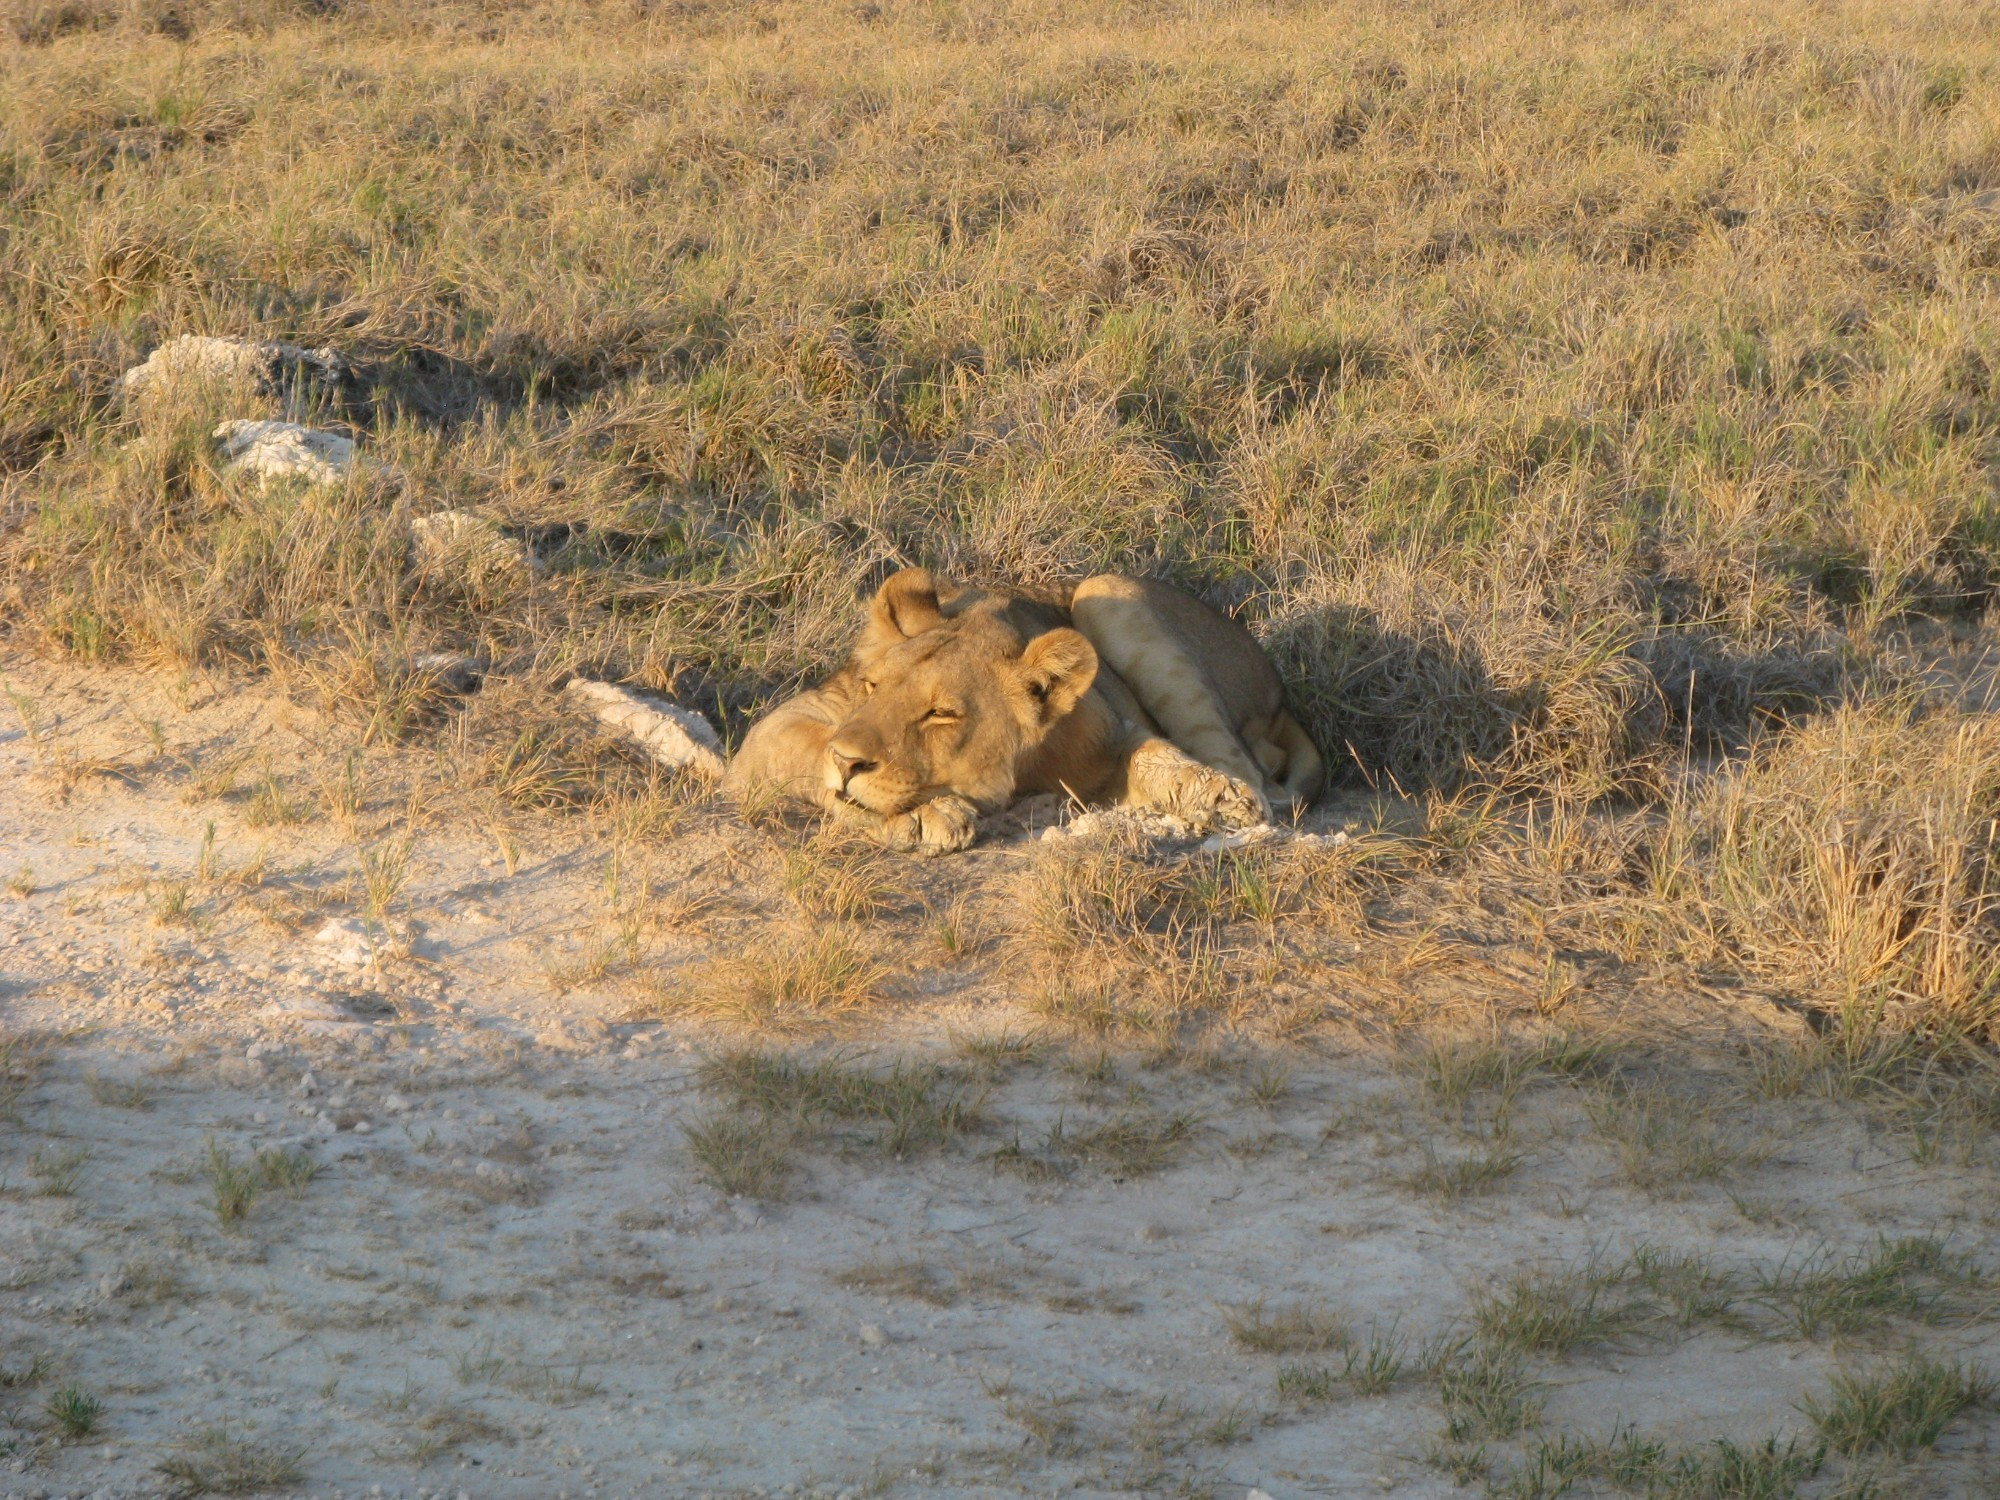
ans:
(507, 1277)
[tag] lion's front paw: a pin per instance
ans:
(1167, 780)
(942, 825)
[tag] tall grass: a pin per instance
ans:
(1557, 391)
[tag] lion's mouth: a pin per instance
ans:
(884, 804)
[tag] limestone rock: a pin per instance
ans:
(286, 450)
(239, 367)
(672, 735)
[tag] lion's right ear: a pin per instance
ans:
(905, 605)
(1057, 669)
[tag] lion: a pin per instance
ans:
(956, 701)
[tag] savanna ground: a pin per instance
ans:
(1594, 409)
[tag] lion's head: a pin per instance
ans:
(954, 701)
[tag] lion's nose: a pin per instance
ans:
(849, 764)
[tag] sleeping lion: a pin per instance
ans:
(958, 700)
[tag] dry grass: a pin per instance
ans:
(776, 1104)
(1901, 1408)
(1665, 1139)
(740, 1156)
(1287, 1328)
(1559, 414)
(215, 1461)
(1854, 858)
(788, 979)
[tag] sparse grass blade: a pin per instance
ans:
(235, 1186)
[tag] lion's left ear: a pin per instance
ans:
(1057, 669)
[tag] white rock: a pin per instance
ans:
(310, 1008)
(874, 1335)
(1102, 821)
(242, 367)
(286, 450)
(672, 735)
(450, 670)
(1241, 838)
(1110, 821)
(1257, 1494)
(349, 942)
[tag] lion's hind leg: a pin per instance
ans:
(1130, 635)
(1294, 774)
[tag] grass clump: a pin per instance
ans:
(1487, 1391)
(1898, 1409)
(1130, 1144)
(1133, 1143)
(1555, 1311)
(901, 1278)
(1687, 1288)
(117, 1093)
(1286, 1328)
(786, 982)
(839, 881)
(58, 1170)
(908, 1107)
(741, 1157)
(1917, 1278)
(1634, 1464)
(215, 1461)
(285, 1171)
(1369, 1366)
(1454, 1177)
(775, 1103)
(234, 1186)
(273, 804)
(1666, 1141)
(74, 1411)
(1853, 861)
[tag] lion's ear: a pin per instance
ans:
(905, 605)
(1057, 669)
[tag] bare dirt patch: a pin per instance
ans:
(431, 1206)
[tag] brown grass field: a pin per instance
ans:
(1594, 408)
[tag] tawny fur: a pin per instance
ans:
(957, 701)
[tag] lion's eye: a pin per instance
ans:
(941, 716)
